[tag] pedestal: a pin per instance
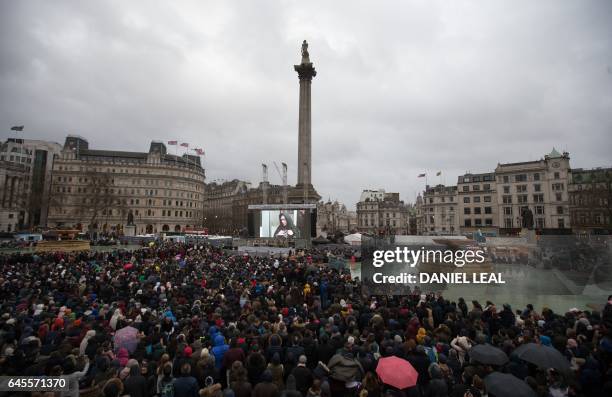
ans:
(129, 230)
(529, 235)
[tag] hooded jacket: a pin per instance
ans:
(219, 349)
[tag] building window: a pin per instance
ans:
(466, 199)
(536, 176)
(539, 210)
(559, 196)
(507, 210)
(508, 223)
(538, 198)
(520, 178)
(540, 223)
(486, 186)
(489, 222)
(487, 199)
(506, 189)
(475, 188)
(467, 223)
(561, 223)
(507, 199)
(537, 187)
(521, 188)
(488, 210)
(522, 198)
(478, 222)
(477, 199)
(477, 210)
(559, 210)
(557, 175)
(506, 179)
(466, 211)
(466, 188)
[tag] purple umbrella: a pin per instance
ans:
(126, 337)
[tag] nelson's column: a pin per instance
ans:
(304, 192)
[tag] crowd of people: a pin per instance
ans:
(182, 320)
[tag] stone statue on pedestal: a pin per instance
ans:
(130, 218)
(527, 219)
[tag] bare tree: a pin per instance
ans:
(98, 197)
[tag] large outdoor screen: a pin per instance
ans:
(280, 224)
(290, 222)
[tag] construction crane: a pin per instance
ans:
(264, 172)
(283, 177)
(264, 184)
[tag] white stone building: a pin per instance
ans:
(96, 190)
(538, 185)
(477, 203)
(437, 211)
(379, 212)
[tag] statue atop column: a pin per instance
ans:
(305, 55)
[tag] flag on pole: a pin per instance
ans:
(422, 175)
(184, 144)
(438, 173)
(200, 152)
(17, 128)
(172, 142)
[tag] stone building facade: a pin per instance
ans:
(437, 211)
(538, 185)
(379, 212)
(333, 217)
(97, 190)
(477, 203)
(25, 181)
(221, 206)
(590, 200)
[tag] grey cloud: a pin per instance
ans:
(402, 87)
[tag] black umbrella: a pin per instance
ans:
(542, 356)
(506, 385)
(487, 354)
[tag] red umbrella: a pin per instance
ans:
(396, 372)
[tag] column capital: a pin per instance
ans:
(305, 71)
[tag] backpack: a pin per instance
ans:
(168, 390)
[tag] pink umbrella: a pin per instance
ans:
(126, 337)
(128, 266)
(396, 372)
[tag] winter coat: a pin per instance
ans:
(345, 368)
(219, 349)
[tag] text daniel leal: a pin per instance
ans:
(451, 278)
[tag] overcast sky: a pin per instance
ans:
(403, 87)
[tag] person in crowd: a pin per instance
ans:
(186, 385)
(177, 319)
